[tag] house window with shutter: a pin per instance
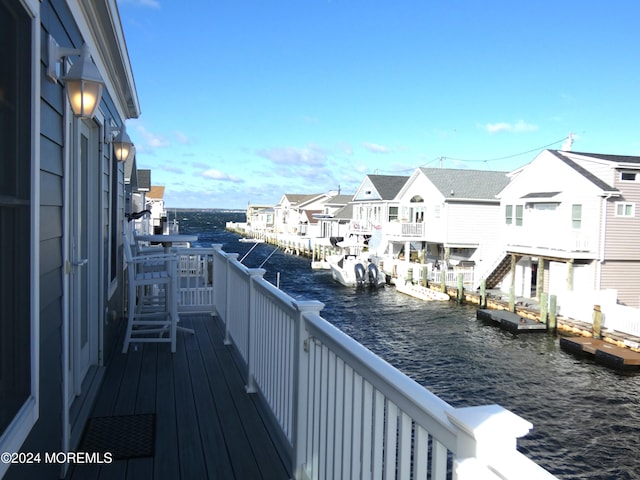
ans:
(519, 212)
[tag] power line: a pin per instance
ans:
(442, 158)
(508, 156)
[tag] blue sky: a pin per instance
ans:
(245, 100)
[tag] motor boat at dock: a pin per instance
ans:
(351, 268)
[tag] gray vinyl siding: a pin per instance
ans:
(621, 268)
(624, 277)
(623, 233)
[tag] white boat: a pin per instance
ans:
(418, 291)
(351, 268)
(251, 240)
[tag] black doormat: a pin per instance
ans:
(127, 436)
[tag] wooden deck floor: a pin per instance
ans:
(207, 426)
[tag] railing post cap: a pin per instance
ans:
(255, 272)
(489, 421)
(308, 305)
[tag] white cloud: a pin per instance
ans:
(172, 169)
(182, 138)
(310, 156)
(375, 148)
(519, 127)
(218, 175)
(151, 139)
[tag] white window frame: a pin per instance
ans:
(12, 438)
(576, 219)
(636, 176)
(508, 214)
(618, 205)
(518, 220)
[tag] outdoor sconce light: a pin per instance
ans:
(83, 80)
(123, 147)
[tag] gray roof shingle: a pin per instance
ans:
(467, 184)
(388, 186)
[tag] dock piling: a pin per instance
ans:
(512, 299)
(553, 307)
(483, 293)
(597, 322)
(543, 307)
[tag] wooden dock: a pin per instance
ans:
(206, 425)
(510, 321)
(602, 352)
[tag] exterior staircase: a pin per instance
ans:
(496, 272)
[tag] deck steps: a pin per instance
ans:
(498, 273)
(603, 352)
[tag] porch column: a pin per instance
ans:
(570, 275)
(540, 280)
(513, 271)
(512, 289)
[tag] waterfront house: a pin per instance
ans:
(448, 217)
(260, 218)
(155, 203)
(132, 198)
(375, 208)
(334, 218)
(570, 223)
(61, 210)
(294, 213)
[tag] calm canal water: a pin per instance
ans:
(586, 417)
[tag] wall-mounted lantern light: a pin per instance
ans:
(123, 147)
(83, 80)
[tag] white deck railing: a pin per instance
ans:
(195, 279)
(346, 413)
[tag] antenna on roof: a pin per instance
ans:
(566, 146)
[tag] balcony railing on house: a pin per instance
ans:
(406, 230)
(360, 227)
(343, 412)
(569, 240)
